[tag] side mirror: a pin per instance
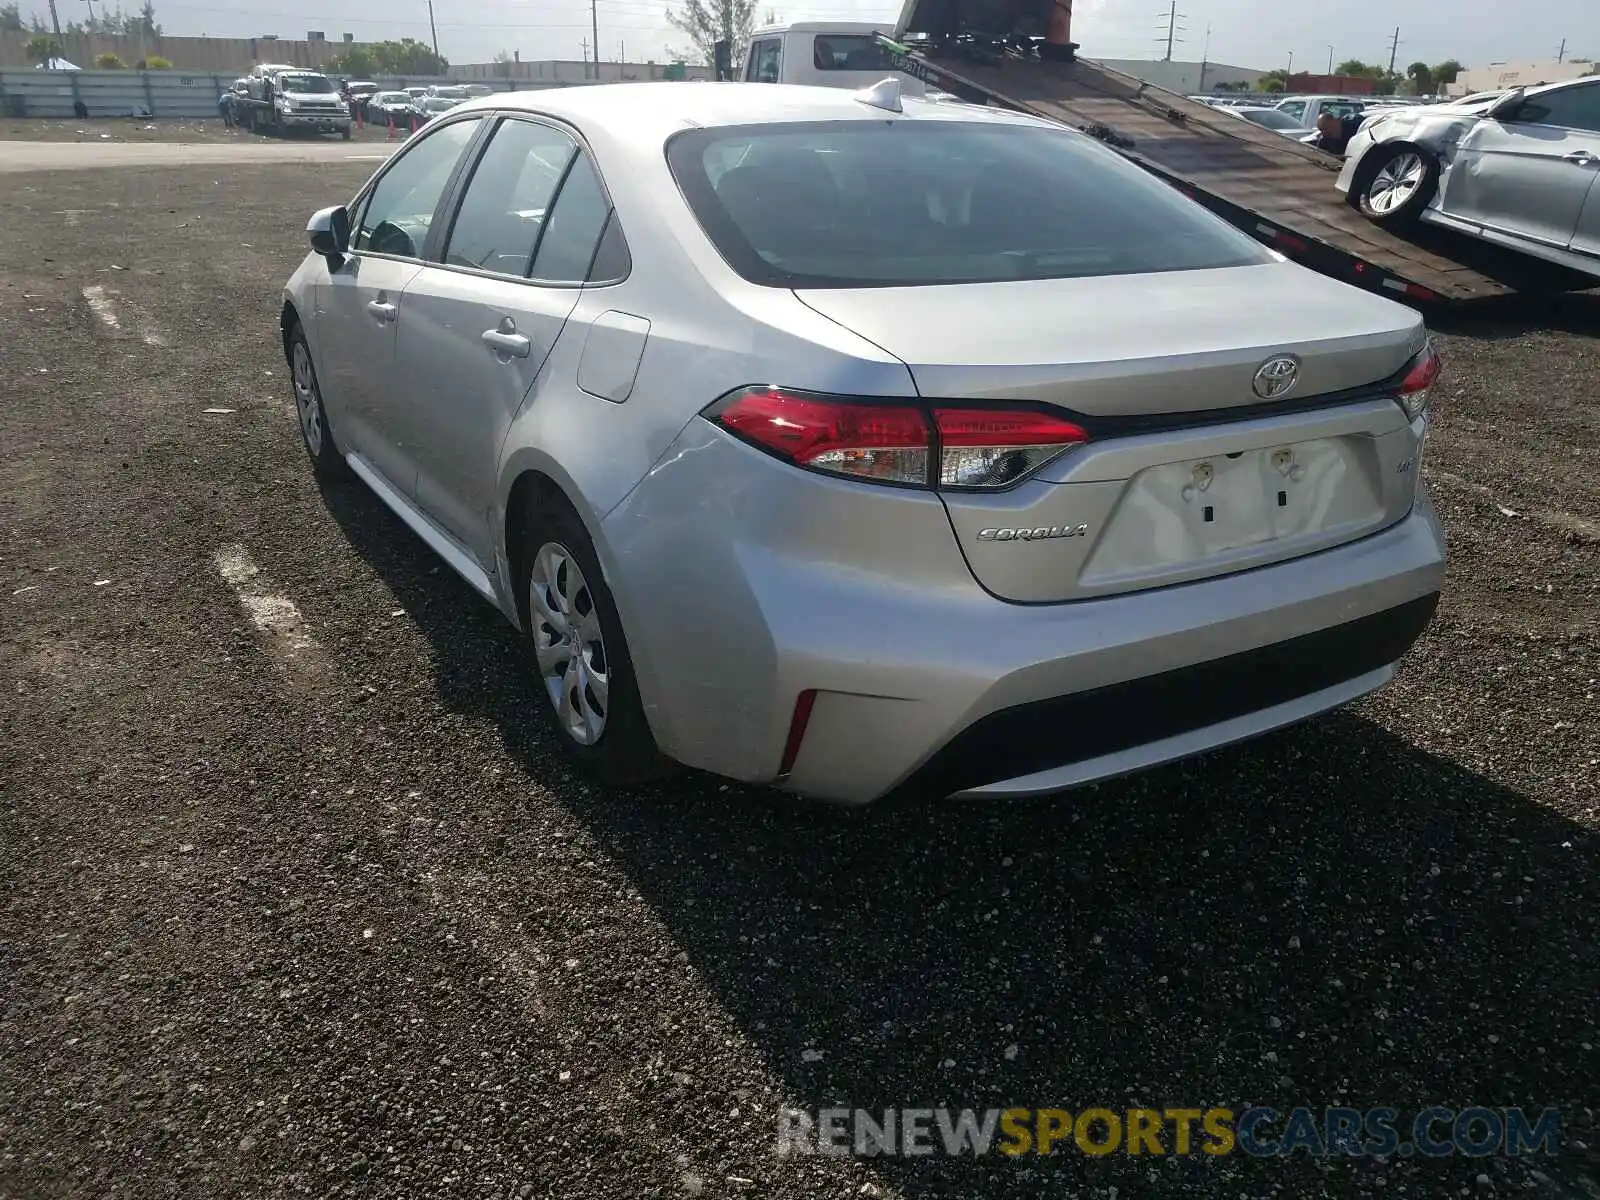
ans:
(1507, 104)
(329, 231)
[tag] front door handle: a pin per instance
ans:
(507, 343)
(1582, 157)
(382, 310)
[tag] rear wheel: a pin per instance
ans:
(579, 651)
(1398, 185)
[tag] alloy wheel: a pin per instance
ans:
(568, 643)
(1395, 183)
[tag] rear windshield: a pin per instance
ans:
(898, 203)
(848, 52)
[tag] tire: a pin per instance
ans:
(345, 133)
(1395, 185)
(315, 432)
(602, 730)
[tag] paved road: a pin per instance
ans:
(296, 898)
(80, 156)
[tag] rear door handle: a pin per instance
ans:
(383, 311)
(504, 342)
(1582, 157)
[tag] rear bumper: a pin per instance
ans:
(736, 601)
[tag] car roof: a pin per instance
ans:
(652, 112)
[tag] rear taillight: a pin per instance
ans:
(896, 441)
(1416, 381)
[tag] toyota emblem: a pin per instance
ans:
(1276, 377)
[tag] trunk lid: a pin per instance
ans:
(1131, 345)
(1149, 503)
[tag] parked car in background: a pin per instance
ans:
(1271, 118)
(357, 93)
(416, 93)
(449, 91)
(1520, 171)
(826, 440)
(434, 106)
(392, 108)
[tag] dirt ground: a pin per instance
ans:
(321, 913)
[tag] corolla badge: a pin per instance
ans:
(1276, 377)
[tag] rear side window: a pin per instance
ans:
(508, 197)
(400, 208)
(848, 52)
(895, 203)
(570, 236)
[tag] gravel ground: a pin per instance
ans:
(323, 914)
(142, 129)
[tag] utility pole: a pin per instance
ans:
(91, 15)
(594, 22)
(1205, 60)
(1561, 54)
(1394, 49)
(56, 21)
(433, 29)
(584, 42)
(1172, 28)
(1330, 60)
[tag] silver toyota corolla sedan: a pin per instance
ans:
(859, 446)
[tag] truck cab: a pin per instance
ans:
(822, 54)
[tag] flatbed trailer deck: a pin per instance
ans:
(1272, 187)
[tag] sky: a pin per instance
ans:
(1248, 33)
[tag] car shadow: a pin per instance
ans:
(1326, 916)
(1515, 316)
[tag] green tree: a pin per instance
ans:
(154, 63)
(1273, 81)
(408, 57)
(706, 22)
(405, 57)
(1421, 76)
(109, 62)
(356, 62)
(1446, 72)
(42, 48)
(11, 19)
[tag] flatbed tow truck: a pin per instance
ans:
(1017, 54)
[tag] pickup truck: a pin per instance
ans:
(845, 54)
(282, 99)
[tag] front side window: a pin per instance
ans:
(397, 216)
(895, 203)
(1570, 108)
(848, 52)
(504, 208)
(765, 56)
(1295, 108)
